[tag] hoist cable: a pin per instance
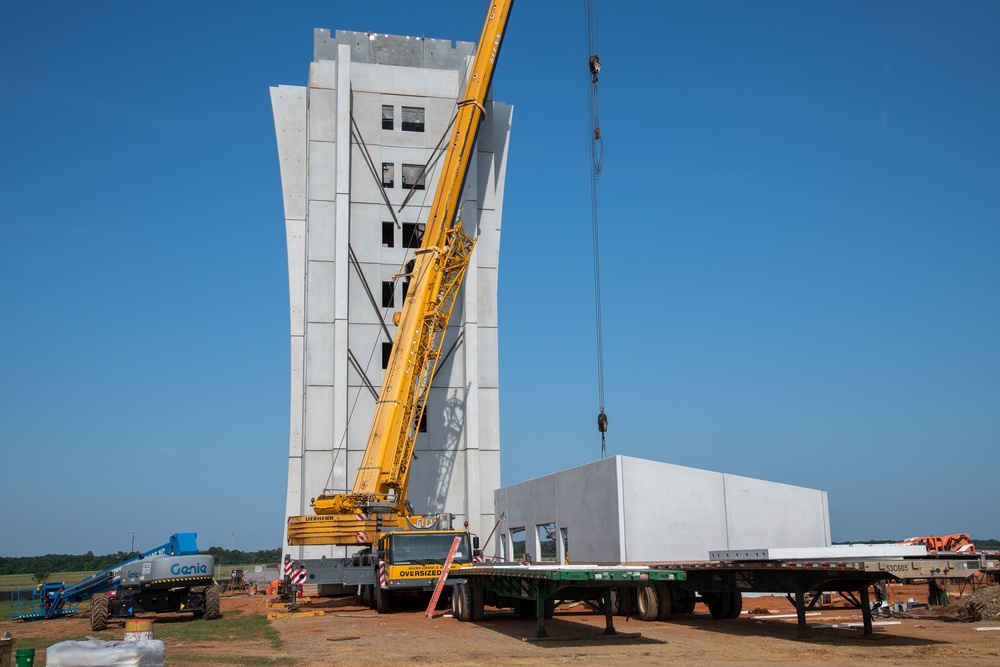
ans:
(596, 167)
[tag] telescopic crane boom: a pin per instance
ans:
(377, 500)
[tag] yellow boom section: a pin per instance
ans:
(439, 268)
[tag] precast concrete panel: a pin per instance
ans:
(322, 114)
(488, 357)
(319, 292)
(295, 241)
(322, 230)
(487, 298)
(298, 395)
(671, 512)
(318, 434)
(437, 482)
(319, 354)
(323, 74)
(322, 170)
(774, 515)
(365, 286)
(489, 434)
(288, 104)
(393, 80)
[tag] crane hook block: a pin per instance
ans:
(595, 65)
(602, 422)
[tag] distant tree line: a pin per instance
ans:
(88, 562)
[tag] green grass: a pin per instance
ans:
(247, 627)
(13, 582)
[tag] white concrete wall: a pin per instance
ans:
(333, 205)
(628, 510)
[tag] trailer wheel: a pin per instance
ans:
(213, 609)
(647, 602)
(622, 601)
(383, 600)
(735, 604)
(718, 604)
(666, 602)
(99, 612)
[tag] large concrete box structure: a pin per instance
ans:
(360, 156)
(629, 510)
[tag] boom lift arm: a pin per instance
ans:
(438, 269)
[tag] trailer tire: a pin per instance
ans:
(99, 612)
(666, 602)
(647, 602)
(718, 604)
(213, 609)
(735, 604)
(383, 600)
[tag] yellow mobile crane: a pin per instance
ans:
(411, 548)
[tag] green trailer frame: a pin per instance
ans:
(534, 590)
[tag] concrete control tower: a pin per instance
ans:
(360, 150)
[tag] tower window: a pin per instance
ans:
(388, 174)
(413, 119)
(387, 117)
(413, 235)
(413, 176)
(388, 294)
(388, 235)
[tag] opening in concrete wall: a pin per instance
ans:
(388, 235)
(564, 545)
(388, 294)
(546, 533)
(413, 234)
(413, 176)
(387, 116)
(517, 544)
(388, 174)
(413, 119)
(386, 353)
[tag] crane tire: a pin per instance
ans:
(213, 609)
(99, 612)
(383, 599)
(476, 603)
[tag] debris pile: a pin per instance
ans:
(982, 604)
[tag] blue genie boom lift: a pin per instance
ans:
(173, 575)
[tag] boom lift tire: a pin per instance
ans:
(647, 603)
(99, 612)
(213, 610)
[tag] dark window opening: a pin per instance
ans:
(386, 353)
(387, 117)
(422, 428)
(413, 176)
(388, 235)
(388, 174)
(388, 294)
(413, 119)
(406, 288)
(413, 234)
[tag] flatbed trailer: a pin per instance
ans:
(534, 590)
(661, 590)
(721, 584)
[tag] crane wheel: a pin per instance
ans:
(213, 610)
(99, 612)
(383, 600)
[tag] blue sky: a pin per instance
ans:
(800, 235)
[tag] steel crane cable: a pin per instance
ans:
(596, 166)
